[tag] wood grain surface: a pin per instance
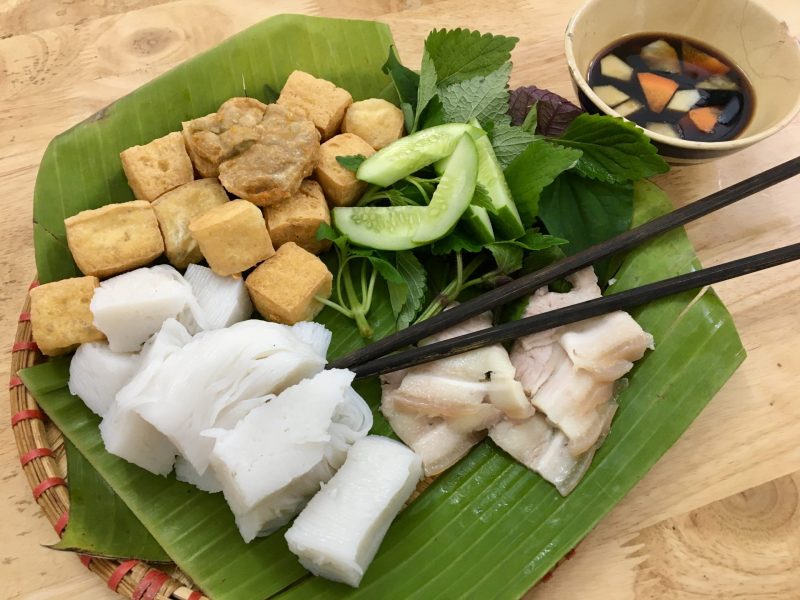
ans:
(718, 516)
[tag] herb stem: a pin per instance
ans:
(453, 289)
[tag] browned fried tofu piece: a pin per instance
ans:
(298, 218)
(60, 315)
(177, 208)
(376, 121)
(339, 184)
(271, 168)
(232, 237)
(283, 287)
(157, 167)
(322, 101)
(114, 238)
(220, 135)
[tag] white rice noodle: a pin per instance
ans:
(277, 456)
(223, 301)
(96, 374)
(338, 533)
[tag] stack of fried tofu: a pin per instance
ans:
(244, 188)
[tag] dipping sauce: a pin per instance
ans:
(674, 86)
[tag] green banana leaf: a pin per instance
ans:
(488, 527)
(100, 524)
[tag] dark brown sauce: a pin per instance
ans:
(734, 107)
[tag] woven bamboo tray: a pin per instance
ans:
(41, 450)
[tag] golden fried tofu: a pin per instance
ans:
(177, 208)
(322, 101)
(298, 218)
(223, 134)
(283, 287)
(60, 315)
(114, 238)
(232, 237)
(157, 167)
(339, 184)
(272, 168)
(376, 121)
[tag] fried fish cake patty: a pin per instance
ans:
(272, 168)
(220, 135)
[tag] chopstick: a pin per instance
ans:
(528, 283)
(578, 312)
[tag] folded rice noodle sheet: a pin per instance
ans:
(223, 301)
(217, 370)
(276, 457)
(131, 307)
(569, 373)
(124, 432)
(441, 409)
(96, 374)
(338, 533)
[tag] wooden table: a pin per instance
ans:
(717, 517)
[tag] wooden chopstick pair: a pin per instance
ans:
(376, 358)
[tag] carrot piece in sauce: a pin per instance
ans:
(705, 119)
(703, 60)
(657, 89)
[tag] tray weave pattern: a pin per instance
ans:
(43, 460)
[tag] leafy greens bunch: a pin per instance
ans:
(570, 175)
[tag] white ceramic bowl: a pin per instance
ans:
(757, 41)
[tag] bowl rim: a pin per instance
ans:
(741, 142)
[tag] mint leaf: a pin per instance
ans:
(406, 81)
(385, 269)
(406, 298)
(455, 242)
(484, 97)
(509, 141)
(535, 241)
(326, 232)
(481, 198)
(585, 211)
(461, 54)
(553, 112)
(614, 150)
(427, 86)
(507, 256)
(351, 162)
(533, 170)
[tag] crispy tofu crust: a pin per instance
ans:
(177, 208)
(298, 218)
(157, 167)
(283, 287)
(114, 238)
(60, 315)
(232, 237)
(323, 102)
(376, 121)
(339, 184)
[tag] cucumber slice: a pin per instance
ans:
(490, 175)
(453, 194)
(380, 227)
(476, 218)
(409, 154)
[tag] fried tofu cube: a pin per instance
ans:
(339, 184)
(376, 121)
(177, 208)
(298, 218)
(60, 315)
(157, 167)
(323, 102)
(232, 237)
(114, 238)
(283, 287)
